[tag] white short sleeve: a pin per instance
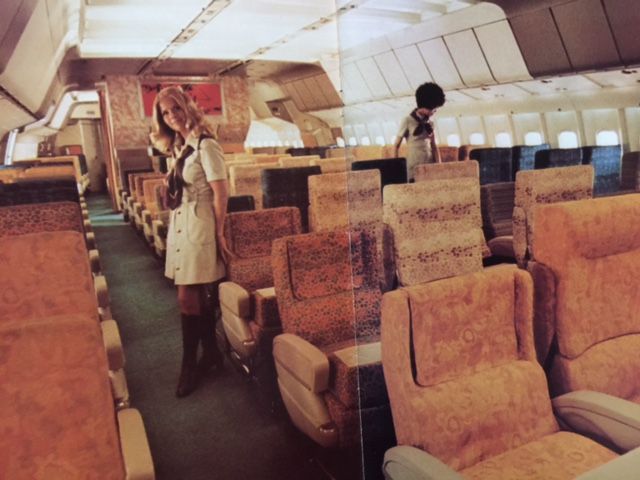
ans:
(404, 128)
(212, 158)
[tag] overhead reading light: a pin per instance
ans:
(546, 81)
(627, 71)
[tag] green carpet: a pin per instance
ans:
(226, 429)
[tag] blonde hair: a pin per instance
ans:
(163, 137)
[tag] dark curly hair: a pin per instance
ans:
(429, 95)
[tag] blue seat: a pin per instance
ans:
(606, 162)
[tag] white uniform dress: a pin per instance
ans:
(192, 253)
(418, 146)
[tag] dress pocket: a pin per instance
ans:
(201, 225)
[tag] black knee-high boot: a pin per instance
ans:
(211, 355)
(188, 381)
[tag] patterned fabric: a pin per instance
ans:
(630, 172)
(356, 385)
(336, 306)
(39, 191)
(149, 196)
(558, 157)
(331, 165)
(246, 180)
(606, 163)
(352, 200)
(524, 156)
(448, 154)
(442, 171)
(45, 274)
(303, 161)
(593, 248)
(561, 456)
(134, 178)
(436, 228)
(327, 315)
(47, 367)
(392, 170)
(40, 217)
(139, 184)
(289, 187)
(447, 350)
(495, 164)
(497, 201)
(497, 400)
(535, 187)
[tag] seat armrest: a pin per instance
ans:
(135, 446)
(266, 308)
(94, 260)
(102, 292)
(625, 467)
(236, 298)
(91, 240)
(410, 463)
(112, 344)
(304, 361)
(612, 420)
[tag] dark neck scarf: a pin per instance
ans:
(175, 179)
(424, 127)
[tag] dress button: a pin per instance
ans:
(177, 268)
(177, 249)
(179, 212)
(179, 231)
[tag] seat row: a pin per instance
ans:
(45, 167)
(62, 352)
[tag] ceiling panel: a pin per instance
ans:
(540, 43)
(371, 74)
(440, 64)
(316, 92)
(12, 116)
(413, 66)
(615, 78)
(308, 97)
(290, 90)
(502, 52)
(330, 93)
(572, 83)
(354, 87)
(624, 18)
(496, 91)
(586, 35)
(393, 74)
(469, 59)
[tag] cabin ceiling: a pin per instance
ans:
(369, 50)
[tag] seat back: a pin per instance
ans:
(524, 156)
(249, 236)
(448, 154)
(437, 228)
(497, 200)
(150, 198)
(46, 274)
(289, 187)
(301, 161)
(441, 171)
(495, 164)
(606, 163)
(331, 165)
(558, 157)
(40, 217)
(240, 203)
(327, 286)
(141, 180)
(462, 375)
(630, 174)
(593, 249)
(352, 200)
(392, 170)
(535, 187)
(39, 191)
(246, 180)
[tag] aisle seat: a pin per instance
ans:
(606, 163)
(328, 358)
(57, 408)
(247, 180)
(139, 205)
(468, 398)
(592, 250)
(247, 300)
(368, 152)
(151, 209)
(331, 165)
(48, 274)
(497, 201)
(392, 170)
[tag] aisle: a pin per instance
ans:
(221, 431)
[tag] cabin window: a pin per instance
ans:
(353, 142)
(503, 139)
(453, 140)
(380, 140)
(607, 137)
(365, 141)
(340, 142)
(287, 143)
(532, 138)
(476, 138)
(568, 139)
